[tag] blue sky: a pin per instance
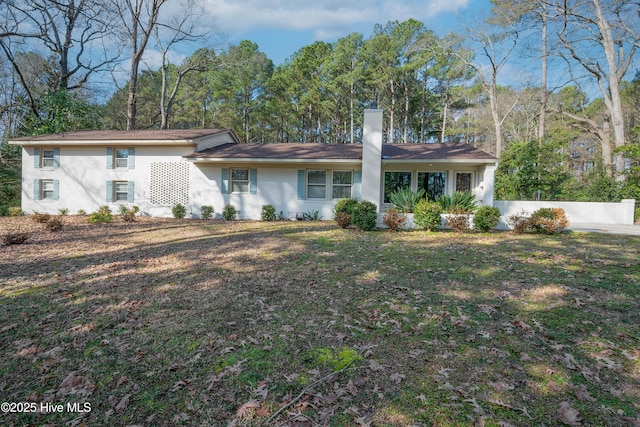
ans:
(281, 27)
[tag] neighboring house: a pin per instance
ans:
(157, 169)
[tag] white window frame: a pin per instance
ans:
(44, 160)
(120, 162)
(317, 185)
(117, 192)
(241, 182)
(335, 186)
(44, 183)
(471, 183)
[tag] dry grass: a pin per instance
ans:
(186, 322)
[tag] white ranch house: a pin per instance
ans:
(157, 169)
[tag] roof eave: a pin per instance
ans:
(263, 160)
(99, 143)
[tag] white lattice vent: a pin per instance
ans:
(169, 183)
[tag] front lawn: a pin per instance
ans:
(187, 322)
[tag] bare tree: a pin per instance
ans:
(601, 37)
(74, 31)
(137, 20)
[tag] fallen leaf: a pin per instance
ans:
(246, 409)
(124, 402)
(568, 415)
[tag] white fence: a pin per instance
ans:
(577, 212)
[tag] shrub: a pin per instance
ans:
(54, 224)
(343, 219)
(405, 200)
(549, 220)
(81, 212)
(312, 216)
(41, 218)
(365, 216)
(103, 214)
(520, 222)
(15, 211)
(268, 213)
(458, 221)
(486, 218)
(128, 214)
(63, 211)
(458, 201)
(206, 212)
(178, 211)
(345, 205)
(427, 215)
(15, 238)
(393, 219)
(229, 212)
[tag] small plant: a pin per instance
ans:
(343, 219)
(427, 215)
(457, 202)
(15, 238)
(81, 212)
(178, 211)
(549, 220)
(40, 218)
(15, 211)
(229, 212)
(486, 218)
(393, 219)
(458, 221)
(404, 200)
(63, 211)
(128, 214)
(268, 213)
(54, 224)
(520, 222)
(206, 212)
(312, 215)
(103, 215)
(365, 216)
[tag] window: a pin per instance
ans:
(120, 158)
(434, 183)
(316, 184)
(394, 181)
(463, 181)
(46, 189)
(342, 181)
(120, 191)
(46, 158)
(239, 180)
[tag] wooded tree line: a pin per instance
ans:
(553, 140)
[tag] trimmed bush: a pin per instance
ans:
(41, 218)
(268, 213)
(128, 214)
(393, 219)
(427, 215)
(15, 238)
(103, 214)
(549, 220)
(206, 212)
(229, 212)
(178, 211)
(486, 218)
(404, 200)
(457, 221)
(345, 205)
(520, 222)
(365, 216)
(63, 211)
(343, 219)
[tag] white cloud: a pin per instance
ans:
(324, 17)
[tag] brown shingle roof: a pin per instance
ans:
(317, 151)
(125, 135)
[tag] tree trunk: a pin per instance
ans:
(543, 82)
